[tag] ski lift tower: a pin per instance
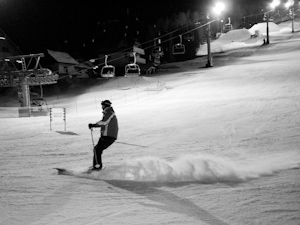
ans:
(219, 7)
(24, 71)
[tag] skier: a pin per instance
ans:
(109, 133)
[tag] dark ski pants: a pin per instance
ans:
(103, 143)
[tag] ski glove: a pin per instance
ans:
(93, 125)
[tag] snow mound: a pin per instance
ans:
(289, 27)
(296, 25)
(236, 35)
(262, 28)
(233, 39)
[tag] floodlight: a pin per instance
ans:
(219, 7)
(289, 3)
(275, 3)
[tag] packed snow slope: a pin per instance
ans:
(216, 146)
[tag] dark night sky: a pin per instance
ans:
(35, 25)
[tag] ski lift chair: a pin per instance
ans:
(108, 71)
(227, 27)
(179, 48)
(132, 69)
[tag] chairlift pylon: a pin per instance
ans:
(157, 51)
(108, 71)
(132, 69)
(179, 48)
(227, 27)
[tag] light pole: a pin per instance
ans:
(209, 58)
(273, 6)
(219, 7)
(291, 11)
(221, 26)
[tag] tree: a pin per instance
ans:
(185, 24)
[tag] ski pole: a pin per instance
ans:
(92, 137)
(95, 153)
(124, 143)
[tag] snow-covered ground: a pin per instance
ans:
(241, 38)
(201, 146)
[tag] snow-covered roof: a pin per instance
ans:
(62, 57)
(86, 65)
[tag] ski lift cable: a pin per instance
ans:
(149, 41)
(91, 67)
(167, 40)
(146, 42)
(160, 37)
(121, 57)
(252, 15)
(259, 14)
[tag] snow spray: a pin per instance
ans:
(198, 168)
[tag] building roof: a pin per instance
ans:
(62, 57)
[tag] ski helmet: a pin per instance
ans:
(106, 103)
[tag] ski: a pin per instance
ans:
(63, 171)
(89, 171)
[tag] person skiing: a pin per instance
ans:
(109, 133)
